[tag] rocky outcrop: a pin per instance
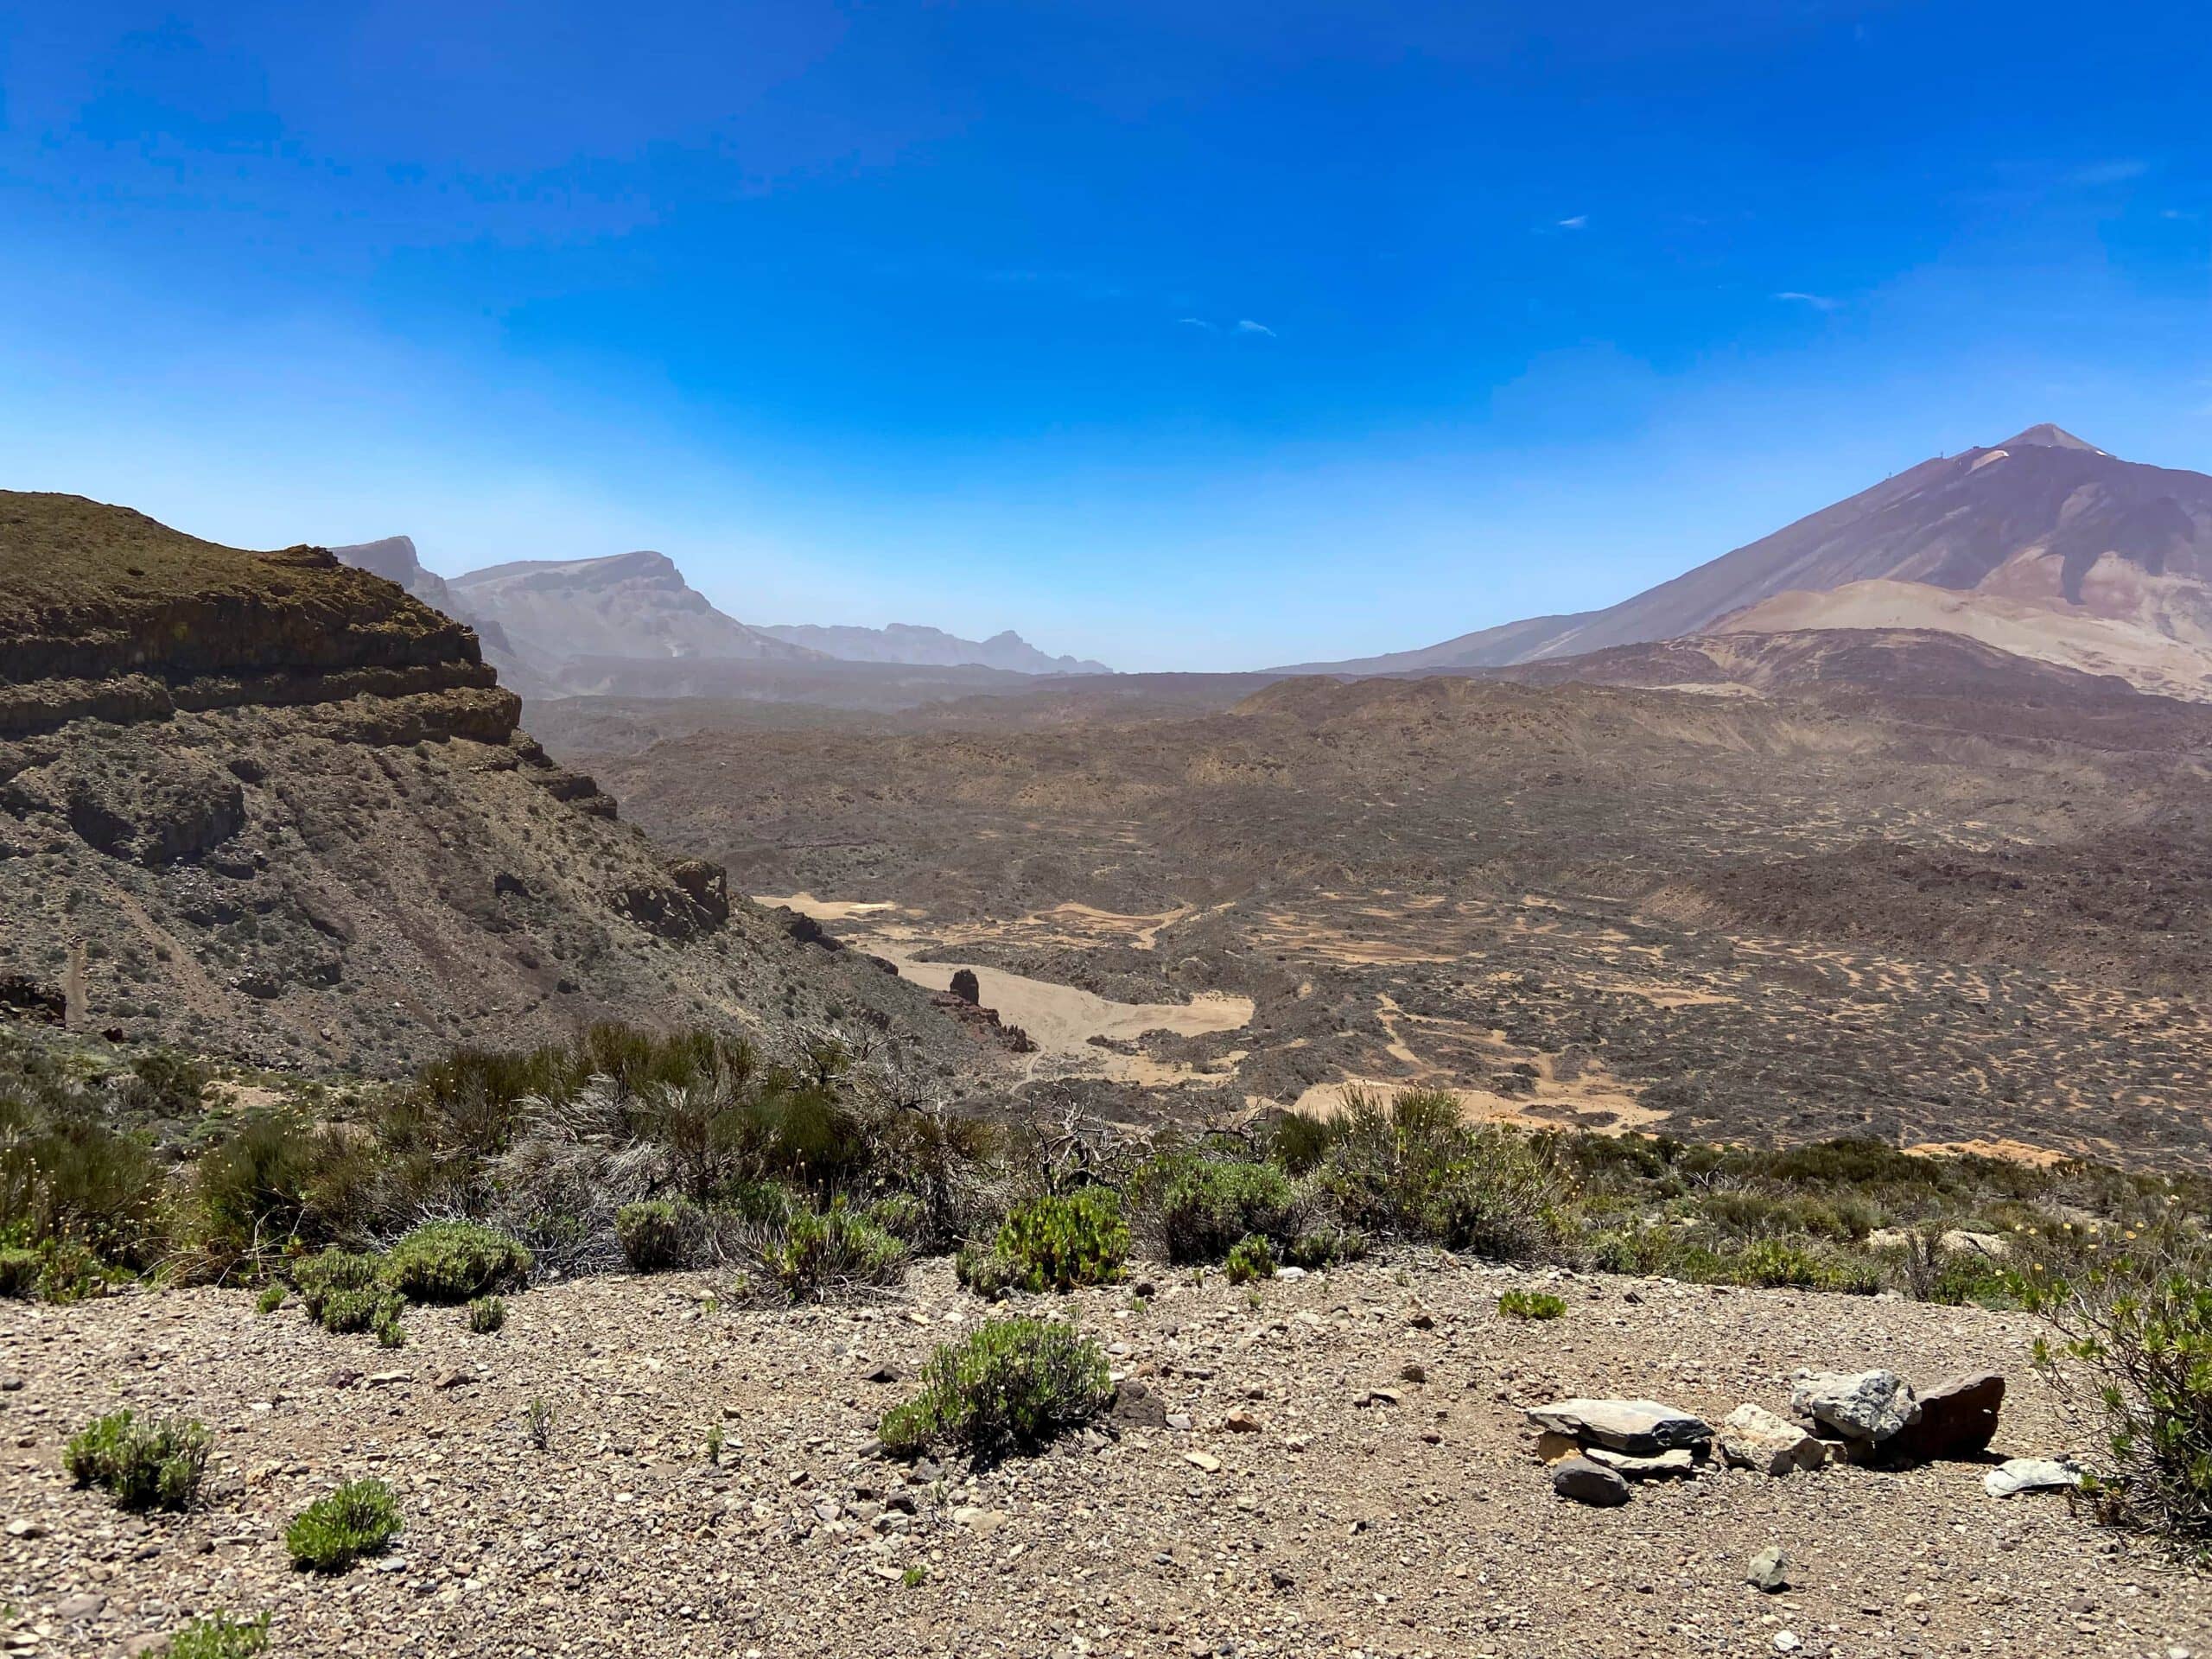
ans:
(276, 807)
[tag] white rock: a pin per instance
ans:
(1751, 1437)
(2030, 1475)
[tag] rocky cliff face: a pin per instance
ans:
(287, 811)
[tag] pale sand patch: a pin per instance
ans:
(1061, 1020)
(826, 909)
(1595, 1100)
(2015, 1152)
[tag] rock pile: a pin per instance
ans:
(1597, 1446)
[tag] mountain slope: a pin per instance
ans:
(903, 642)
(2042, 517)
(627, 604)
(286, 811)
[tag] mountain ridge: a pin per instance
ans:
(2044, 518)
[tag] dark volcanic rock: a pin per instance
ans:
(1958, 1419)
(1588, 1483)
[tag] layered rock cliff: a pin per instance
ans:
(286, 811)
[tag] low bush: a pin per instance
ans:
(1205, 1206)
(1057, 1242)
(902, 1215)
(142, 1464)
(1411, 1169)
(657, 1236)
(1325, 1246)
(2134, 1348)
(271, 1299)
(1251, 1258)
(837, 1249)
(1531, 1305)
(1011, 1385)
(218, 1636)
(331, 1533)
(19, 1270)
(487, 1315)
(456, 1262)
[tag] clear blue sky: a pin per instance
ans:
(1207, 333)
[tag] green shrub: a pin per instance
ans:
(656, 1234)
(1325, 1246)
(270, 1301)
(345, 1292)
(1299, 1141)
(981, 1270)
(331, 1533)
(2134, 1347)
(487, 1315)
(1413, 1170)
(1251, 1258)
(219, 1637)
(1206, 1206)
(20, 1271)
(456, 1262)
(837, 1249)
(1010, 1386)
(142, 1465)
(902, 1215)
(1058, 1241)
(276, 1179)
(1531, 1305)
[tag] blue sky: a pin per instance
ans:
(1182, 335)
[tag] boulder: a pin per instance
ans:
(1643, 1428)
(1589, 1482)
(1752, 1437)
(1870, 1406)
(2032, 1475)
(1958, 1419)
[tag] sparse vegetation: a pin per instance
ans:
(539, 1424)
(218, 1636)
(656, 1234)
(837, 1249)
(1011, 1385)
(1251, 1259)
(360, 1518)
(487, 1315)
(1531, 1305)
(143, 1465)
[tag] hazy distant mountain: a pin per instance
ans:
(627, 604)
(2042, 520)
(902, 642)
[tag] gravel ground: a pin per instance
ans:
(1326, 1520)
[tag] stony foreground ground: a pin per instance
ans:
(1325, 1521)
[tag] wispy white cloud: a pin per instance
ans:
(1818, 302)
(1246, 325)
(1579, 222)
(1195, 322)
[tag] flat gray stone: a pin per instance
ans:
(1589, 1482)
(1679, 1464)
(2032, 1475)
(1643, 1428)
(1870, 1406)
